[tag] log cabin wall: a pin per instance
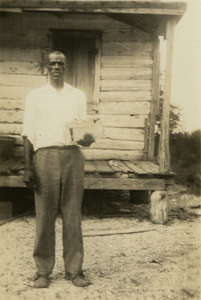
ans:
(125, 77)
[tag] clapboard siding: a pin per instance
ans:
(125, 96)
(126, 134)
(132, 35)
(27, 68)
(22, 55)
(126, 73)
(24, 40)
(125, 85)
(130, 49)
(126, 62)
(120, 145)
(22, 80)
(10, 104)
(124, 108)
(14, 92)
(130, 121)
(10, 128)
(11, 116)
(106, 154)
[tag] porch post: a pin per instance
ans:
(164, 152)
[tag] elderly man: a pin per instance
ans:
(58, 171)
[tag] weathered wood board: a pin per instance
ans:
(126, 73)
(126, 62)
(125, 96)
(22, 80)
(127, 48)
(125, 85)
(124, 108)
(22, 55)
(126, 134)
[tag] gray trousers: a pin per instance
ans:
(59, 176)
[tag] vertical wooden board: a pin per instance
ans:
(102, 166)
(155, 99)
(146, 138)
(164, 159)
(125, 96)
(124, 108)
(127, 134)
(97, 71)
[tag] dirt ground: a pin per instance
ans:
(162, 262)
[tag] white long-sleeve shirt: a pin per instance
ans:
(47, 114)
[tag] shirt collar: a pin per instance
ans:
(65, 89)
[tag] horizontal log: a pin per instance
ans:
(99, 183)
(22, 55)
(12, 181)
(122, 96)
(22, 80)
(27, 68)
(126, 62)
(124, 108)
(10, 128)
(130, 49)
(113, 144)
(124, 184)
(101, 154)
(24, 41)
(120, 120)
(133, 35)
(126, 73)
(125, 85)
(126, 134)
(11, 116)
(15, 92)
(138, 7)
(12, 104)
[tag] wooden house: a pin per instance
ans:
(112, 50)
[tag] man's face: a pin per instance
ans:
(56, 67)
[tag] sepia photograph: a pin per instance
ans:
(100, 145)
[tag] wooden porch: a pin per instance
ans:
(99, 174)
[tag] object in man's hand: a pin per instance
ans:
(87, 140)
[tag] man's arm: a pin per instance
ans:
(28, 175)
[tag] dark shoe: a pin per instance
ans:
(78, 280)
(41, 281)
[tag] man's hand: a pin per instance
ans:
(29, 178)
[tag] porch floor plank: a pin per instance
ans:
(103, 167)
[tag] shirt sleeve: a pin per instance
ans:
(82, 108)
(29, 125)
